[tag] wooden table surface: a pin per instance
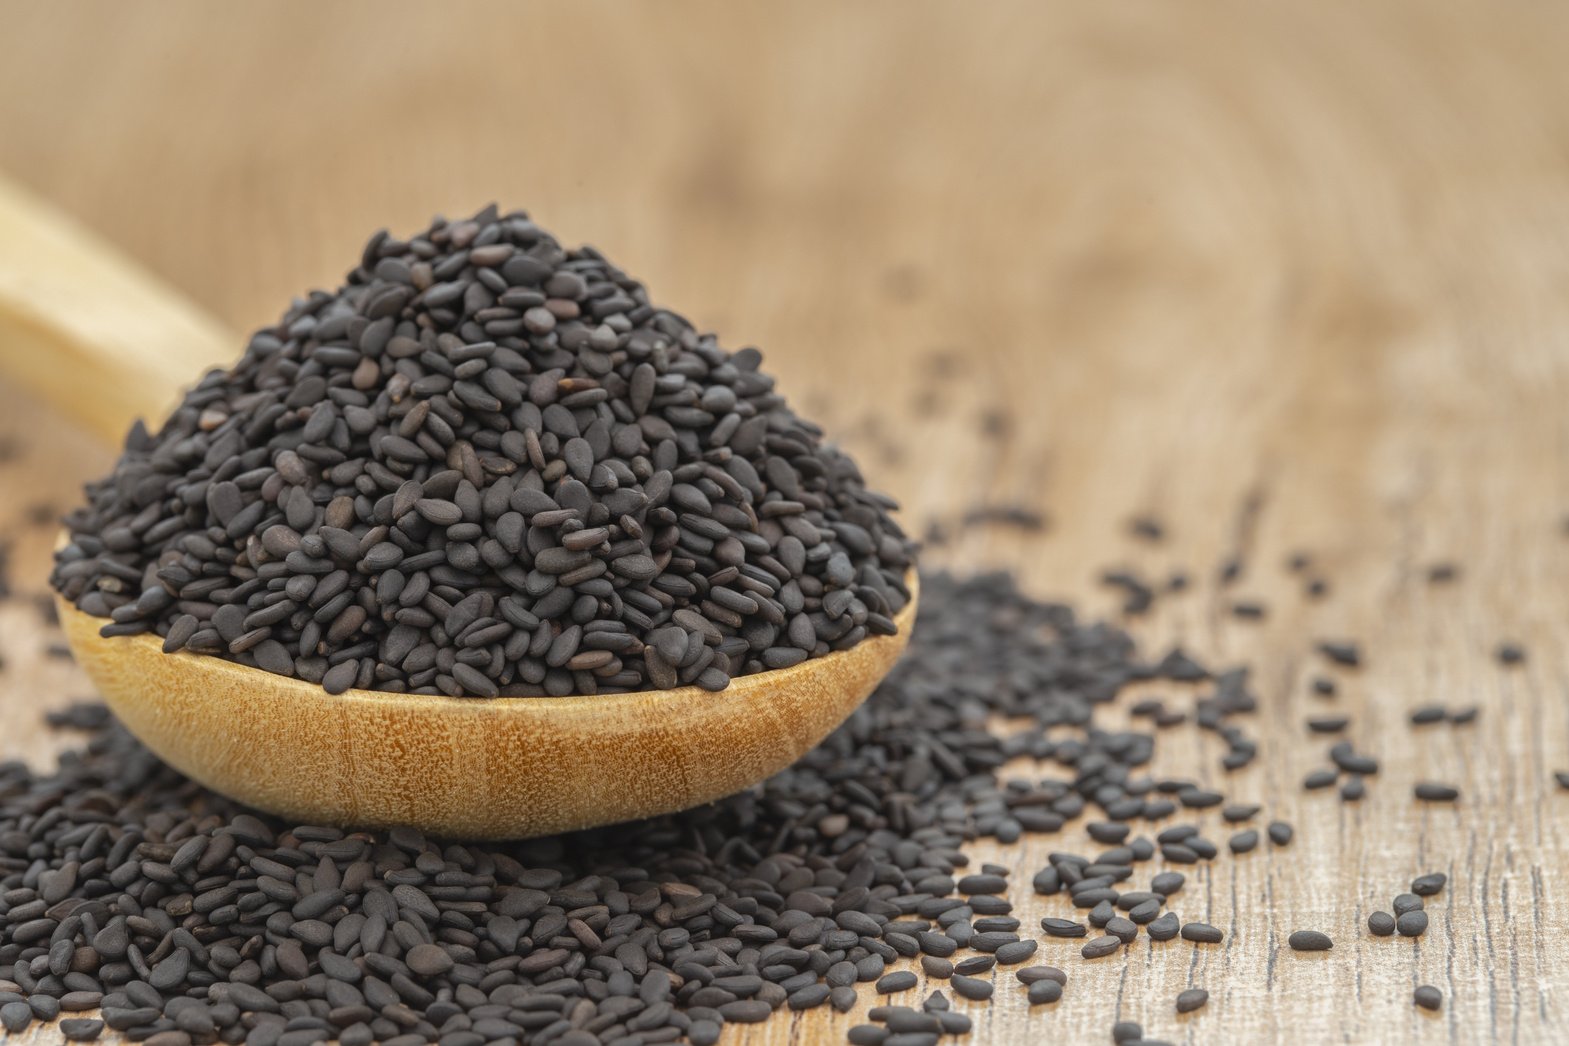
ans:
(1287, 277)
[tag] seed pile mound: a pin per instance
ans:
(488, 465)
(188, 917)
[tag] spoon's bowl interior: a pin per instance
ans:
(470, 768)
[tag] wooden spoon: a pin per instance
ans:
(83, 328)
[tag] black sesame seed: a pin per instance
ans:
(971, 965)
(1164, 928)
(1202, 933)
(933, 966)
(1317, 779)
(1510, 654)
(1310, 941)
(1125, 930)
(1428, 997)
(1341, 652)
(1191, 1000)
(1412, 924)
(1100, 946)
(1429, 884)
(900, 981)
(1016, 952)
(1381, 924)
(971, 987)
(1063, 927)
(1431, 791)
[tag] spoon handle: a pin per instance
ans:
(86, 329)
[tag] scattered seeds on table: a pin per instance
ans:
(1317, 779)
(1230, 571)
(1412, 923)
(1125, 930)
(15, 1017)
(1163, 928)
(899, 981)
(1435, 792)
(974, 964)
(1108, 832)
(1510, 654)
(1202, 933)
(974, 988)
(81, 1029)
(1310, 941)
(1340, 652)
(1016, 952)
(933, 966)
(1100, 947)
(1063, 927)
(1126, 1031)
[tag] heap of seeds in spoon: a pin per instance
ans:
(488, 465)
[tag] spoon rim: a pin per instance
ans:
(245, 676)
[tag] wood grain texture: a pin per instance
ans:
(1289, 276)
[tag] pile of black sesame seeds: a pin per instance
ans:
(189, 919)
(488, 465)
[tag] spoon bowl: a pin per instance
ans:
(84, 328)
(471, 768)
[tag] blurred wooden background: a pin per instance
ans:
(1096, 260)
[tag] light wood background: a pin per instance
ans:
(1312, 257)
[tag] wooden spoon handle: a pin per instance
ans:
(86, 329)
